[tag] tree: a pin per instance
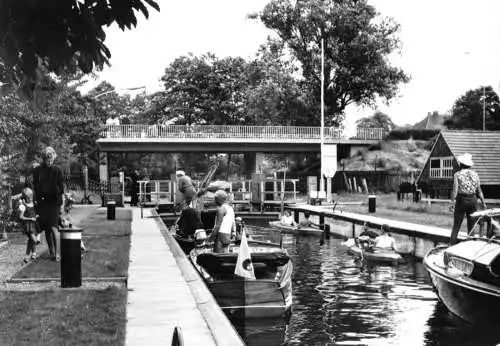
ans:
(467, 111)
(357, 42)
(59, 36)
(204, 90)
(274, 95)
(377, 120)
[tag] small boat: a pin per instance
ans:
(269, 295)
(295, 229)
(373, 254)
(466, 276)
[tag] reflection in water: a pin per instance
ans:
(338, 300)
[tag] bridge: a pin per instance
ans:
(228, 138)
(253, 140)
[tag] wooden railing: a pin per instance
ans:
(196, 132)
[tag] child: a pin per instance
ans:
(287, 219)
(27, 215)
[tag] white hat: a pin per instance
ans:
(466, 160)
(180, 173)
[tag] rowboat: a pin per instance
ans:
(466, 276)
(373, 254)
(269, 295)
(296, 230)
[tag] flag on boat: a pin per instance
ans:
(244, 267)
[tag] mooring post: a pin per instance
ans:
(322, 221)
(296, 215)
(353, 230)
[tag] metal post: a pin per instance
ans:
(322, 129)
(71, 257)
(484, 108)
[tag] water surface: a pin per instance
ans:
(339, 300)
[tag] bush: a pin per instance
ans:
(416, 134)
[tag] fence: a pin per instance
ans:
(383, 181)
(200, 132)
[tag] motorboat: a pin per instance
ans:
(296, 229)
(268, 295)
(466, 276)
(373, 254)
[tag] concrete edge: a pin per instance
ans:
(221, 328)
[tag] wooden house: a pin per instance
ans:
(484, 146)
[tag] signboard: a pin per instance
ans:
(329, 160)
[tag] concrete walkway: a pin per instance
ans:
(161, 298)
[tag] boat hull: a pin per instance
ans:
(250, 299)
(464, 297)
(379, 256)
(294, 230)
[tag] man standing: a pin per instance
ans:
(185, 186)
(224, 222)
(49, 191)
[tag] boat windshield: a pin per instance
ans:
(487, 224)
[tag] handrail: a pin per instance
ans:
(138, 131)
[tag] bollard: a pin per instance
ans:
(372, 203)
(71, 257)
(296, 216)
(417, 197)
(327, 231)
(111, 207)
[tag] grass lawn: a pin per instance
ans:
(63, 317)
(108, 245)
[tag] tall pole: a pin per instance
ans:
(322, 129)
(484, 108)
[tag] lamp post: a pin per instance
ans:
(322, 128)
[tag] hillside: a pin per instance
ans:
(406, 155)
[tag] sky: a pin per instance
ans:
(448, 47)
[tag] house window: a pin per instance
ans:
(441, 167)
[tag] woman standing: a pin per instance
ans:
(466, 190)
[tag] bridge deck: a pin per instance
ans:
(234, 134)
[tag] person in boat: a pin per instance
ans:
(306, 222)
(189, 221)
(225, 223)
(466, 191)
(367, 238)
(240, 224)
(287, 219)
(186, 188)
(385, 241)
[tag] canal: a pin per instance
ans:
(339, 300)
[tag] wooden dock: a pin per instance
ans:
(411, 237)
(166, 292)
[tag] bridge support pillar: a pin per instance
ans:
(103, 166)
(253, 163)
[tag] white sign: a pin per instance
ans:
(329, 160)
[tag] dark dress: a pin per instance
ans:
(49, 188)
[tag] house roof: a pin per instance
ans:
(484, 146)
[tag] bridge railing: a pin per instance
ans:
(137, 131)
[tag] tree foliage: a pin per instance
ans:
(204, 90)
(377, 120)
(357, 42)
(467, 111)
(274, 95)
(59, 36)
